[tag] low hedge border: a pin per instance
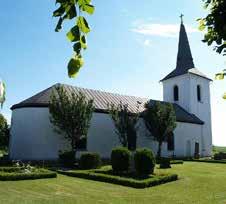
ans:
(208, 161)
(91, 175)
(10, 174)
(176, 162)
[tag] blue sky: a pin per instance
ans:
(133, 44)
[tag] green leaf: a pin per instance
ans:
(88, 8)
(219, 76)
(77, 47)
(59, 25)
(83, 25)
(61, 1)
(70, 12)
(83, 2)
(224, 96)
(2, 93)
(74, 35)
(83, 42)
(202, 24)
(74, 66)
(59, 12)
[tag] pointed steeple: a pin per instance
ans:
(184, 56)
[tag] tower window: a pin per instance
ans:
(199, 93)
(176, 93)
(170, 142)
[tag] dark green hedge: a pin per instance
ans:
(120, 159)
(9, 169)
(176, 162)
(152, 181)
(12, 174)
(90, 160)
(144, 161)
(164, 163)
(208, 161)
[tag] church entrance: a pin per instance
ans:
(197, 154)
(188, 148)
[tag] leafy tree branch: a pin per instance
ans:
(73, 9)
(70, 114)
(160, 121)
(2, 93)
(125, 123)
(214, 26)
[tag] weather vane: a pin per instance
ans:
(181, 16)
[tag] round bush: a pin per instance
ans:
(67, 158)
(164, 163)
(144, 161)
(120, 159)
(89, 160)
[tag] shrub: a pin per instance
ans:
(18, 173)
(176, 162)
(67, 158)
(120, 159)
(89, 160)
(144, 161)
(219, 156)
(148, 182)
(164, 163)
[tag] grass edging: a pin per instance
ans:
(9, 174)
(208, 161)
(176, 162)
(157, 180)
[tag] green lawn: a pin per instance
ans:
(198, 183)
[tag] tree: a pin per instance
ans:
(160, 121)
(4, 132)
(2, 93)
(70, 113)
(214, 25)
(70, 9)
(125, 123)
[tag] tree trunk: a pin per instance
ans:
(159, 150)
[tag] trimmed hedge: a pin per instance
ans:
(120, 159)
(164, 163)
(144, 161)
(208, 161)
(89, 160)
(152, 181)
(9, 169)
(219, 156)
(13, 174)
(176, 162)
(67, 158)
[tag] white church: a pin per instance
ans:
(33, 136)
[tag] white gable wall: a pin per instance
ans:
(33, 138)
(187, 85)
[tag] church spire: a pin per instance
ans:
(184, 56)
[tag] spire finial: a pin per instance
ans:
(181, 16)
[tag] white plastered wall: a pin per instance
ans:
(33, 137)
(187, 85)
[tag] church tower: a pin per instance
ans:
(190, 88)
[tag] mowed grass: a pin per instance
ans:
(198, 183)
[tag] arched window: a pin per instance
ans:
(176, 93)
(199, 93)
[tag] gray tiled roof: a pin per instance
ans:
(185, 62)
(101, 101)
